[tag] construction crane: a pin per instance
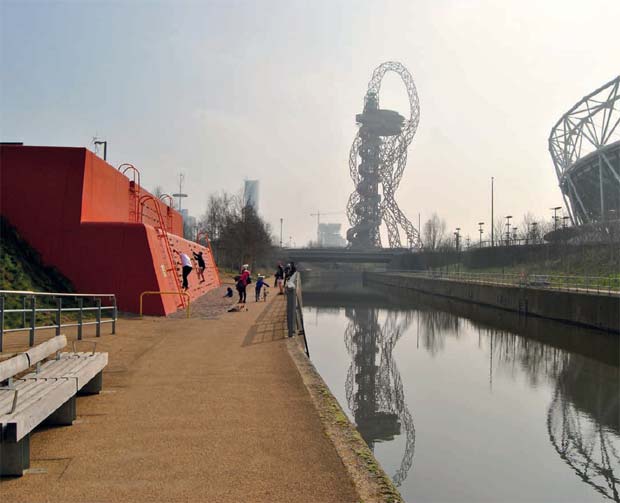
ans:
(318, 222)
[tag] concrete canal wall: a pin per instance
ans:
(588, 309)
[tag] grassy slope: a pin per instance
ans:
(604, 263)
(21, 268)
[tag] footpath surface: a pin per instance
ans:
(210, 408)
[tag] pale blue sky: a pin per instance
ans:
(230, 90)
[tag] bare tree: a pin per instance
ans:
(499, 232)
(434, 232)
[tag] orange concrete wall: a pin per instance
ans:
(75, 209)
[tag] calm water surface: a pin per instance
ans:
(463, 403)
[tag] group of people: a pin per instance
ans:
(283, 273)
(186, 264)
(245, 278)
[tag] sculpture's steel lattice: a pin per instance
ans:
(585, 148)
(374, 387)
(381, 145)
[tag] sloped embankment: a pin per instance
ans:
(21, 268)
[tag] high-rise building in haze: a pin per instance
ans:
(250, 194)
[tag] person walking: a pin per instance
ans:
(243, 282)
(187, 268)
(260, 283)
(280, 278)
(201, 265)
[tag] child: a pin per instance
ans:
(259, 284)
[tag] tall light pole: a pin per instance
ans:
(281, 220)
(480, 224)
(457, 236)
(105, 148)
(179, 195)
(508, 217)
(555, 216)
(492, 221)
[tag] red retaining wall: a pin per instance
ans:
(79, 213)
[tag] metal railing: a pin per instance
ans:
(294, 309)
(34, 303)
(586, 284)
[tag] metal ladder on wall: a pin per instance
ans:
(162, 235)
(134, 190)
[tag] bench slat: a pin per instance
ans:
(43, 350)
(33, 412)
(81, 366)
(12, 366)
(6, 396)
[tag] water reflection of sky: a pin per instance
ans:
(495, 416)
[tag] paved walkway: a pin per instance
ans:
(207, 409)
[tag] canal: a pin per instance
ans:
(464, 403)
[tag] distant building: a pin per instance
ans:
(250, 194)
(329, 236)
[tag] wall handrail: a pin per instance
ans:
(294, 309)
(55, 294)
(153, 292)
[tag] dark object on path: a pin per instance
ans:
(229, 292)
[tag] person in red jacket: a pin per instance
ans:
(243, 282)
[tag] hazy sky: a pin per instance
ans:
(227, 90)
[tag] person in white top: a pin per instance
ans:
(187, 268)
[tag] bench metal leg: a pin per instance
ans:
(14, 457)
(64, 415)
(94, 386)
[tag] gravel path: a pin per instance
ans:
(209, 409)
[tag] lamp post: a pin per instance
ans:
(492, 221)
(555, 217)
(508, 217)
(105, 148)
(179, 195)
(564, 223)
(457, 236)
(480, 224)
(281, 221)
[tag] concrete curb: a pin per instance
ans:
(372, 484)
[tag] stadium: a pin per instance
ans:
(585, 148)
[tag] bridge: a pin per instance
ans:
(344, 255)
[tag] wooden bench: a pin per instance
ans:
(47, 395)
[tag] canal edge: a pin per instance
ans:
(371, 482)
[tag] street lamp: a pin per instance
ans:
(457, 236)
(281, 220)
(508, 217)
(564, 224)
(555, 217)
(492, 222)
(480, 224)
(105, 148)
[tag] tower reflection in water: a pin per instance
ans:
(373, 386)
(583, 416)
